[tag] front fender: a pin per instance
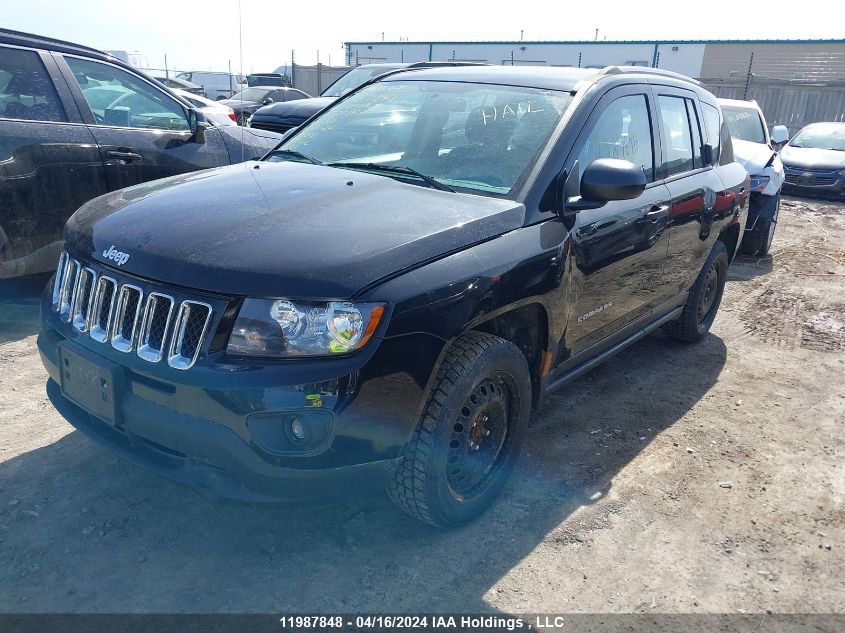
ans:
(456, 293)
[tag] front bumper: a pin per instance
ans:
(814, 182)
(761, 210)
(196, 427)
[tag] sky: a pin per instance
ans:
(204, 34)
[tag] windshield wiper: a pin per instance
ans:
(397, 169)
(294, 153)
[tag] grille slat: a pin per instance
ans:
(59, 280)
(69, 278)
(157, 314)
(119, 313)
(102, 309)
(188, 334)
(126, 314)
(81, 309)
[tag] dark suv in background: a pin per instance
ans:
(388, 305)
(76, 123)
(281, 117)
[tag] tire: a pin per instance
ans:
(451, 470)
(758, 242)
(704, 299)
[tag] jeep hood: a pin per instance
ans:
(282, 229)
(753, 156)
(812, 158)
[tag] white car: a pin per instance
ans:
(754, 149)
(216, 113)
(216, 85)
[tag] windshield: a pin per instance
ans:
(476, 137)
(253, 94)
(744, 124)
(355, 78)
(821, 137)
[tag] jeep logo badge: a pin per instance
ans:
(115, 255)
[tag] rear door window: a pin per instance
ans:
(677, 135)
(26, 90)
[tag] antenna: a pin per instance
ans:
(241, 73)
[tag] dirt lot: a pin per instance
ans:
(620, 502)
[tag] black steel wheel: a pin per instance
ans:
(469, 437)
(703, 300)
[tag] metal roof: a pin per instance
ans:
(596, 42)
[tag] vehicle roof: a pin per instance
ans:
(548, 77)
(274, 88)
(383, 65)
(739, 103)
(19, 38)
(830, 124)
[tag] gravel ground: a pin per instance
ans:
(673, 479)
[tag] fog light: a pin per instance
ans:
(297, 429)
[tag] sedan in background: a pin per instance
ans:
(814, 161)
(215, 112)
(247, 101)
(181, 84)
(755, 150)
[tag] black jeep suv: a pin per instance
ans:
(387, 295)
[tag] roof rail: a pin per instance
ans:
(618, 70)
(51, 42)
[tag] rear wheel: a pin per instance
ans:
(472, 427)
(704, 299)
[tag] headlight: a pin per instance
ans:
(758, 183)
(267, 327)
(842, 173)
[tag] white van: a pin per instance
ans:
(136, 59)
(216, 85)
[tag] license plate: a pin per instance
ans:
(90, 381)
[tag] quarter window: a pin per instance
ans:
(120, 99)
(26, 90)
(713, 124)
(677, 138)
(622, 131)
(698, 161)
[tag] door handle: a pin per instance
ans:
(656, 212)
(124, 156)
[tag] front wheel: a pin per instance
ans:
(758, 243)
(471, 430)
(704, 299)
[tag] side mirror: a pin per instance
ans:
(198, 124)
(780, 134)
(707, 154)
(604, 180)
(267, 101)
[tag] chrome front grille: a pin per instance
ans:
(118, 313)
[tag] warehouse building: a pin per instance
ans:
(706, 59)
(796, 82)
